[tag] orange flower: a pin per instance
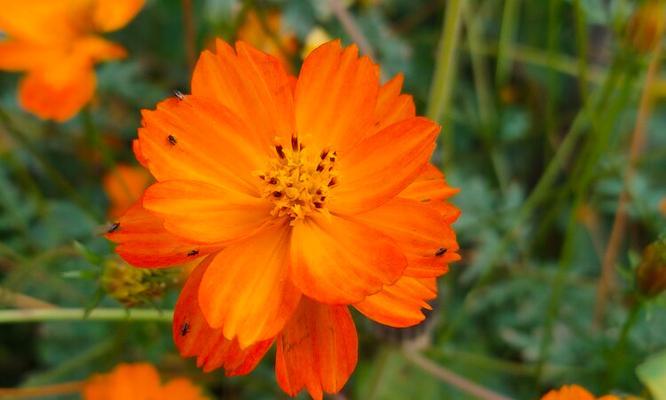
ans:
(124, 186)
(284, 43)
(55, 43)
(303, 196)
(574, 392)
(138, 382)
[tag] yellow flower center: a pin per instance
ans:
(298, 180)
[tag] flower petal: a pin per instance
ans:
(197, 139)
(207, 213)
(430, 185)
(124, 185)
(251, 84)
(317, 350)
(246, 290)
(110, 15)
(420, 231)
(336, 95)
(194, 337)
(392, 106)
(382, 165)
(40, 21)
(400, 304)
(16, 55)
(143, 241)
(338, 261)
(58, 93)
(180, 389)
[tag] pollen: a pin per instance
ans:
(299, 179)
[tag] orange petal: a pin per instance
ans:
(430, 185)
(109, 15)
(569, 392)
(420, 231)
(136, 149)
(338, 261)
(97, 49)
(125, 381)
(253, 85)
(124, 185)
(392, 106)
(143, 241)
(382, 165)
(57, 97)
(317, 350)
(207, 213)
(197, 139)
(180, 389)
(400, 305)
(336, 95)
(246, 290)
(40, 21)
(18, 55)
(194, 337)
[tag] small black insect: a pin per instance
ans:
(440, 252)
(184, 329)
(113, 227)
(193, 253)
(179, 94)
(172, 140)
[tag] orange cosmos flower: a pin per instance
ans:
(302, 196)
(138, 382)
(574, 392)
(124, 186)
(56, 44)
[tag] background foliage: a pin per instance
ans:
(540, 103)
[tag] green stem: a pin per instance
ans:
(77, 314)
(615, 362)
(443, 78)
(507, 33)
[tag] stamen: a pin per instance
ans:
(179, 95)
(280, 151)
(440, 252)
(193, 253)
(298, 180)
(172, 140)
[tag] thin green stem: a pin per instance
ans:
(443, 78)
(507, 33)
(617, 353)
(581, 44)
(77, 314)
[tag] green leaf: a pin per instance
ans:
(653, 374)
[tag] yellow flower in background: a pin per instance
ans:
(315, 38)
(138, 381)
(282, 46)
(56, 44)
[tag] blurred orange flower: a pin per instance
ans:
(138, 381)
(283, 45)
(574, 392)
(304, 195)
(56, 44)
(124, 186)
